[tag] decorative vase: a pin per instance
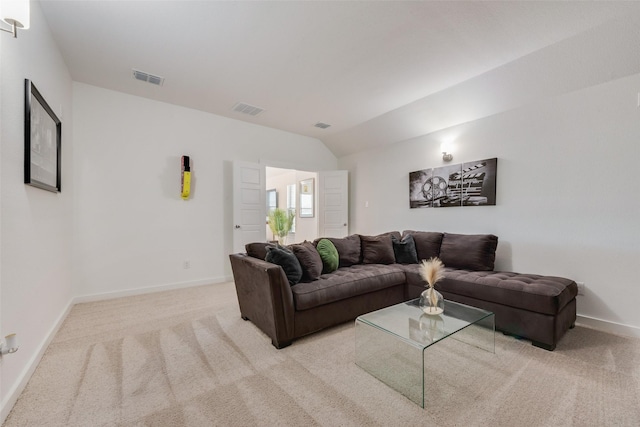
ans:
(431, 302)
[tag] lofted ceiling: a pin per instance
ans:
(377, 71)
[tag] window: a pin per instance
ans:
(272, 200)
(291, 204)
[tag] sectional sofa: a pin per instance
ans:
(378, 271)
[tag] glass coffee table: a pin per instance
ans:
(393, 344)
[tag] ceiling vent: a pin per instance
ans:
(321, 125)
(149, 78)
(251, 110)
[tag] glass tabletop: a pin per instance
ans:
(408, 322)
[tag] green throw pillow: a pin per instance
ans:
(329, 255)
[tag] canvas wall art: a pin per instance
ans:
(420, 192)
(462, 184)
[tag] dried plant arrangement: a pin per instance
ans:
(432, 271)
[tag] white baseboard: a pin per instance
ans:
(609, 326)
(150, 289)
(18, 387)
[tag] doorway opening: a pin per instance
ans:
(293, 191)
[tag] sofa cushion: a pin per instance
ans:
(287, 260)
(427, 243)
(328, 254)
(413, 277)
(258, 249)
(345, 283)
(469, 251)
(309, 259)
(349, 252)
(377, 249)
(532, 292)
(405, 250)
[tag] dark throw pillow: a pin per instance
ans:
(329, 255)
(309, 259)
(349, 252)
(348, 249)
(377, 249)
(427, 243)
(287, 260)
(258, 249)
(469, 251)
(405, 250)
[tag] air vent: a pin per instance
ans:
(251, 110)
(322, 125)
(149, 78)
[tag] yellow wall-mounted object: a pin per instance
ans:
(185, 178)
(186, 184)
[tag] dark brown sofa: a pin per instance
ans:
(535, 307)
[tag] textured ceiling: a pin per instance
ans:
(378, 72)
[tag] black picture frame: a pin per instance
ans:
(42, 142)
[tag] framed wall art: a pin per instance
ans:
(42, 142)
(463, 184)
(306, 198)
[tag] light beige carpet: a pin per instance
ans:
(185, 357)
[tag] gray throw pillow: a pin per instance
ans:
(287, 260)
(405, 250)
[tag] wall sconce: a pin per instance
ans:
(16, 14)
(446, 152)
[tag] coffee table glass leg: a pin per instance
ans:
(480, 334)
(391, 360)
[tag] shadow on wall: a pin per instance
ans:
(170, 179)
(504, 256)
(605, 311)
(227, 221)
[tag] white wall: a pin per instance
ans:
(568, 202)
(35, 225)
(133, 231)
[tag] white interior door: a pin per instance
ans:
(333, 204)
(249, 204)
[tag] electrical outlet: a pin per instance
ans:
(580, 288)
(186, 265)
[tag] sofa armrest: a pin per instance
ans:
(265, 297)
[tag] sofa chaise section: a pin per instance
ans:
(539, 308)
